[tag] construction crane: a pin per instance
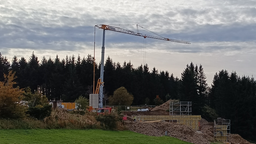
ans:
(125, 31)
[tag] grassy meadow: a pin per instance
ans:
(66, 136)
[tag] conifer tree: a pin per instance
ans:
(193, 87)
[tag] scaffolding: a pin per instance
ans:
(222, 128)
(180, 107)
(180, 112)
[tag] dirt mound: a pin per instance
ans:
(237, 139)
(163, 107)
(182, 132)
(207, 129)
(174, 130)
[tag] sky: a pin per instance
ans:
(222, 33)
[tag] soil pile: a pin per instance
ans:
(237, 139)
(182, 132)
(174, 130)
(207, 129)
(164, 107)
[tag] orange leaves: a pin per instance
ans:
(10, 98)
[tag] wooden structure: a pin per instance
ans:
(188, 120)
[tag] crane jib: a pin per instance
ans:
(125, 31)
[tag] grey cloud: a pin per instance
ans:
(50, 28)
(29, 37)
(240, 2)
(211, 33)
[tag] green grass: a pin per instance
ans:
(65, 136)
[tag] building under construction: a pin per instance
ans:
(179, 112)
(222, 129)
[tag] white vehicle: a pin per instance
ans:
(143, 109)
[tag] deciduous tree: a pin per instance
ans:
(121, 97)
(10, 98)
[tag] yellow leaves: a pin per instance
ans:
(38, 106)
(10, 97)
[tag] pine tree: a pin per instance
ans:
(193, 87)
(4, 66)
(33, 66)
(1, 67)
(15, 64)
(202, 87)
(23, 73)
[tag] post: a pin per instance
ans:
(102, 70)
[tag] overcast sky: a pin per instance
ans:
(222, 32)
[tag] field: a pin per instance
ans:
(66, 136)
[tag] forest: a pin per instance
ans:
(229, 96)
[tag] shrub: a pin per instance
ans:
(38, 104)
(82, 103)
(27, 123)
(39, 111)
(108, 121)
(209, 113)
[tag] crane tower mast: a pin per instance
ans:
(125, 31)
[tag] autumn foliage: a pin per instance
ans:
(158, 100)
(10, 98)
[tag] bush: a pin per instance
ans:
(27, 123)
(82, 103)
(209, 113)
(60, 118)
(40, 112)
(38, 104)
(108, 121)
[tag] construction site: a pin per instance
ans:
(167, 93)
(173, 118)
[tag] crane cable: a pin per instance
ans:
(150, 31)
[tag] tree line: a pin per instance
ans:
(229, 96)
